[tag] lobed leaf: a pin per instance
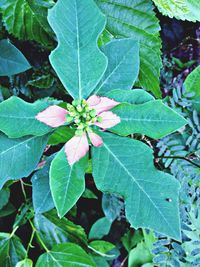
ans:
(17, 118)
(152, 118)
(77, 60)
(125, 166)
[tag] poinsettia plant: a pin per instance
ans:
(99, 130)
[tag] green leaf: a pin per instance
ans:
(100, 228)
(102, 246)
(111, 206)
(53, 230)
(77, 60)
(19, 157)
(4, 197)
(61, 135)
(136, 96)
(192, 82)
(12, 61)
(181, 9)
(67, 182)
(11, 250)
(27, 20)
(25, 263)
(66, 255)
(123, 66)
(136, 19)
(151, 196)
(139, 255)
(15, 112)
(7, 210)
(41, 193)
(152, 118)
(42, 82)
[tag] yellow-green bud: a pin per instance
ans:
(93, 113)
(79, 132)
(99, 119)
(69, 119)
(79, 108)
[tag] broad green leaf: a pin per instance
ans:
(27, 20)
(25, 263)
(136, 96)
(25, 212)
(152, 118)
(53, 230)
(67, 182)
(139, 255)
(100, 261)
(151, 196)
(41, 193)
(100, 228)
(11, 250)
(4, 197)
(180, 9)
(136, 19)
(61, 135)
(17, 117)
(77, 60)
(123, 66)
(66, 255)
(192, 82)
(19, 157)
(12, 61)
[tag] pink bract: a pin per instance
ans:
(53, 116)
(101, 104)
(95, 139)
(76, 148)
(109, 120)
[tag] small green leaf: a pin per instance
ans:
(111, 206)
(19, 157)
(41, 193)
(77, 60)
(17, 117)
(136, 96)
(100, 228)
(53, 230)
(123, 66)
(67, 182)
(192, 82)
(151, 196)
(12, 61)
(11, 250)
(27, 20)
(25, 263)
(66, 255)
(7, 210)
(152, 118)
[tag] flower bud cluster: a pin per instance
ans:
(82, 115)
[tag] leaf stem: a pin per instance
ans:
(30, 242)
(38, 236)
(183, 158)
(100, 253)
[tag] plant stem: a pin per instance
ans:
(14, 230)
(183, 158)
(100, 253)
(38, 236)
(23, 189)
(30, 242)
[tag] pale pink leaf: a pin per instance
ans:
(104, 104)
(93, 100)
(53, 116)
(76, 148)
(109, 120)
(95, 139)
